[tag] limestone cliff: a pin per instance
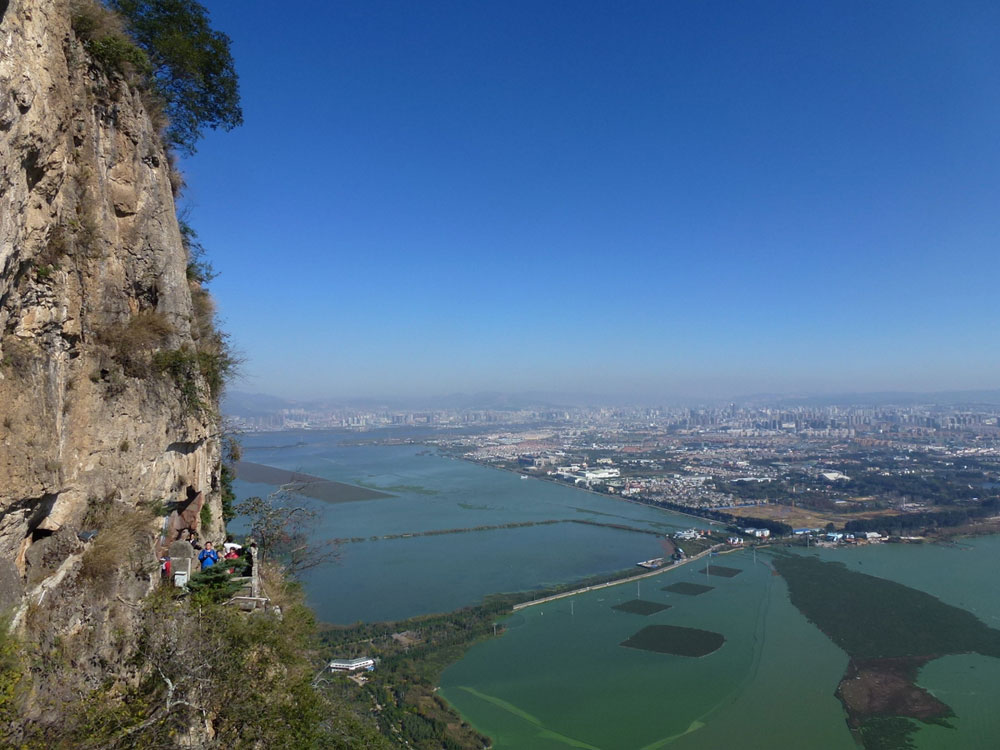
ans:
(107, 418)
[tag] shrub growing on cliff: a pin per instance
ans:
(191, 66)
(103, 37)
(184, 367)
(232, 452)
(181, 366)
(132, 342)
(199, 269)
(217, 367)
(11, 672)
(118, 54)
(123, 542)
(205, 517)
(200, 664)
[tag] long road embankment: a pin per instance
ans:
(618, 581)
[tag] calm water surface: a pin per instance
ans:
(559, 678)
(398, 578)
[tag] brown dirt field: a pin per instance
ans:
(986, 526)
(801, 518)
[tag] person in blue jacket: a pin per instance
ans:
(208, 556)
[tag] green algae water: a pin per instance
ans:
(559, 678)
(561, 664)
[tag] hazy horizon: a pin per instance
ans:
(557, 399)
(708, 389)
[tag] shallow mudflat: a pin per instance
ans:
(686, 588)
(306, 484)
(671, 639)
(641, 607)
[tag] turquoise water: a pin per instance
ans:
(771, 685)
(398, 578)
(561, 664)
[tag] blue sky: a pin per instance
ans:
(650, 198)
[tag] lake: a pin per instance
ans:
(398, 578)
(559, 676)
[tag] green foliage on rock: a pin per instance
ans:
(205, 516)
(117, 54)
(199, 269)
(104, 39)
(236, 680)
(181, 365)
(131, 343)
(184, 366)
(11, 673)
(191, 66)
(232, 451)
(214, 585)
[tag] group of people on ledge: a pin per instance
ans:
(230, 551)
(235, 556)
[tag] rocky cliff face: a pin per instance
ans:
(106, 416)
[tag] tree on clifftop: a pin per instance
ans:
(192, 67)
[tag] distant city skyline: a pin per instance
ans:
(242, 402)
(654, 200)
(974, 413)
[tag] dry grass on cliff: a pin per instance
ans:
(103, 35)
(204, 313)
(132, 343)
(91, 20)
(123, 542)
